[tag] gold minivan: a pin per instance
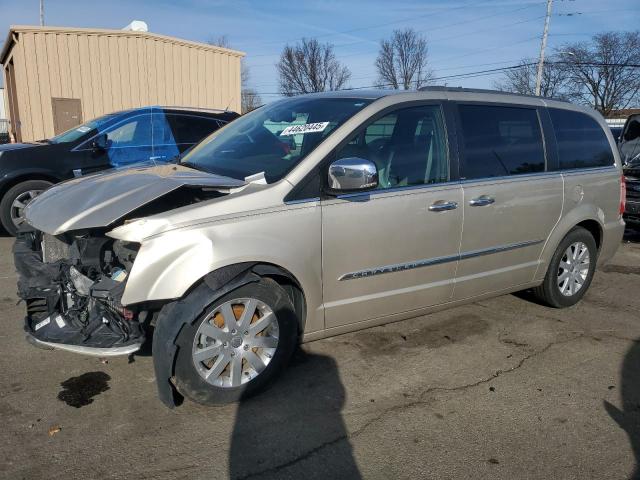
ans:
(318, 215)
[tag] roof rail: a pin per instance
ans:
(442, 88)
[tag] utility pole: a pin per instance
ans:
(543, 45)
(42, 13)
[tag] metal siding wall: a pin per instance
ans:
(114, 72)
(22, 70)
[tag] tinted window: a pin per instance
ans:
(500, 141)
(133, 132)
(191, 129)
(581, 141)
(408, 146)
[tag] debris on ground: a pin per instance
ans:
(54, 429)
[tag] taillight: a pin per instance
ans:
(623, 194)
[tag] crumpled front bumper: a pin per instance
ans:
(67, 310)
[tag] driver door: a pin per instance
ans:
(394, 249)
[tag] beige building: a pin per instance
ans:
(56, 78)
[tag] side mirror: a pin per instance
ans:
(100, 142)
(352, 174)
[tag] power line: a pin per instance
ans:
(440, 27)
(485, 72)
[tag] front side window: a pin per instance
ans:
(581, 141)
(408, 146)
(133, 132)
(500, 141)
(272, 139)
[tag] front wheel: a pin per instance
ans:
(238, 345)
(570, 271)
(14, 201)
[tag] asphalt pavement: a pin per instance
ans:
(500, 389)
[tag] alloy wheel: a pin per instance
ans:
(573, 269)
(235, 342)
(19, 204)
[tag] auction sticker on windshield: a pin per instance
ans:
(306, 128)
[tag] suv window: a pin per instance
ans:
(408, 146)
(500, 141)
(581, 141)
(191, 128)
(133, 132)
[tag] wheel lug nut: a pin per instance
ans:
(246, 347)
(225, 344)
(246, 333)
(233, 331)
(233, 354)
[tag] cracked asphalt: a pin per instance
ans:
(503, 388)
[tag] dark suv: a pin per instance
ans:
(629, 146)
(150, 134)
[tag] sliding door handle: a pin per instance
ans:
(481, 201)
(442, 205)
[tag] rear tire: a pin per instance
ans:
(21, 193)
(570, 271)
(237, 367)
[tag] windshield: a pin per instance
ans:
(272, 139)
(76, 132)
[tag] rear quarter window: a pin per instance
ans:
(581, 141)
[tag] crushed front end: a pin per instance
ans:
(72, 285)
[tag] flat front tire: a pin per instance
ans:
(570, 271)
(238, 344)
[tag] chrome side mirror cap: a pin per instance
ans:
(352, 174)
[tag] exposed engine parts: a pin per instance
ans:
(72, 286)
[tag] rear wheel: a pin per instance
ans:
(570, 271)
(15, 200)
(238, 345)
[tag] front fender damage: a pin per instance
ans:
(175, 315)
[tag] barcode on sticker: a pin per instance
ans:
(306, 128)
(41, 324)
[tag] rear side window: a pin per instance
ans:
(190, 128)
(500, 141)
(581, 141)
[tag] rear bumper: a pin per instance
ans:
(611, 238)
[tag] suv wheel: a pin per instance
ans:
(14, 201)
(238, 345)
(570, 271)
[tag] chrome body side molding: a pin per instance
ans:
(399, 267)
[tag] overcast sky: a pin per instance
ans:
(463, 35)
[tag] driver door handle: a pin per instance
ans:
(442, 205)
(482, 201)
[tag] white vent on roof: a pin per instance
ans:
(137, 26)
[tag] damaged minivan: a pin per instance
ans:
(315, 216)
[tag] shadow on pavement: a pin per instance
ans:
(295, 430)
(629, 417)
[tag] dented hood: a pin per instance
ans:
(99, 200)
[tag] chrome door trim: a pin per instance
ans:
(499, 249)
(400, 267)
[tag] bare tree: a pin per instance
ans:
(249, 98)
(309, 67)
(402, 61)
(601, 73)
(522, 79)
